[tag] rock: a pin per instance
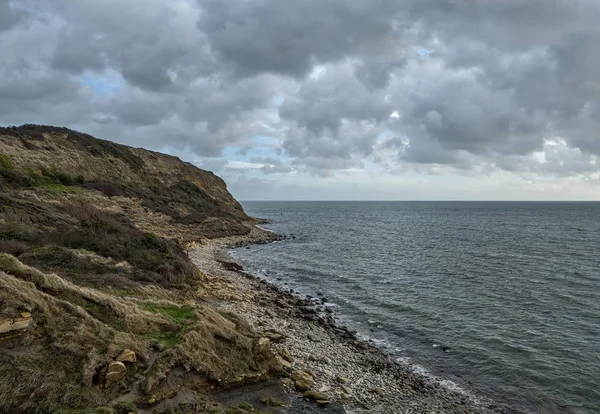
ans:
(5, 326)
(346, 389)
(326, 360)
(26, 315)
(127, 355)
(303, 380)
(284, 363)
(274, 336)
(315, 395)
(286, 355)
(287, 382)
(342, 380)
(379, 391)
(115, 373)
(19, 324)
(323, 402)
(313, 337)
(325, 388)
(263, 345)
(345, 396)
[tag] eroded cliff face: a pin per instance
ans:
(93, 266)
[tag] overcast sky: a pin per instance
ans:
(324, 99)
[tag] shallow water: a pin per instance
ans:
(500, 298)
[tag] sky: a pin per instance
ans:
(325, 99)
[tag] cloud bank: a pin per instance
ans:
(320, 97)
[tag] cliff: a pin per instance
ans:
(100, 305)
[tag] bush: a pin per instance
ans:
(113, 235)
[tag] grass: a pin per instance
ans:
(6, 162)
(97, 284)
(181, 315)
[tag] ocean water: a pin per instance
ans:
(500, 299)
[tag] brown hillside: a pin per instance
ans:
(93, 263)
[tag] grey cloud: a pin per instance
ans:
(290, 37)
(322, 76)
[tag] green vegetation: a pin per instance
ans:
(6, 162)
(181, 315)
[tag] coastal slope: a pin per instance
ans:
(101, 309)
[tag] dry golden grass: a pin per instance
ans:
(58, 362)
(92, 238)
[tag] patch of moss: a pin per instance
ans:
(6, 162)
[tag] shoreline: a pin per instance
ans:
(353, 373)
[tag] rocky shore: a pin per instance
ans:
(324, 365)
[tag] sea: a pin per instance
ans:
(494, 299)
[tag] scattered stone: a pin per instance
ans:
(345, 396)
(284, 363)
(115, 373)
(342, 380)
(379, 391)
(286, 355)
(326, 360)
(263, 345)
(127, 355)
(274, 336)
(325, 388)
(313, 337)
(315, 395)
(346, 389)
(303, 380)
(323, 402)
(26, 315)
(287, 382)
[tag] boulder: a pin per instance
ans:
(303, 380)
(127, 355)
(5, 326)
(316, 395)
(115, 373)
(342, 380)
(19, 324)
